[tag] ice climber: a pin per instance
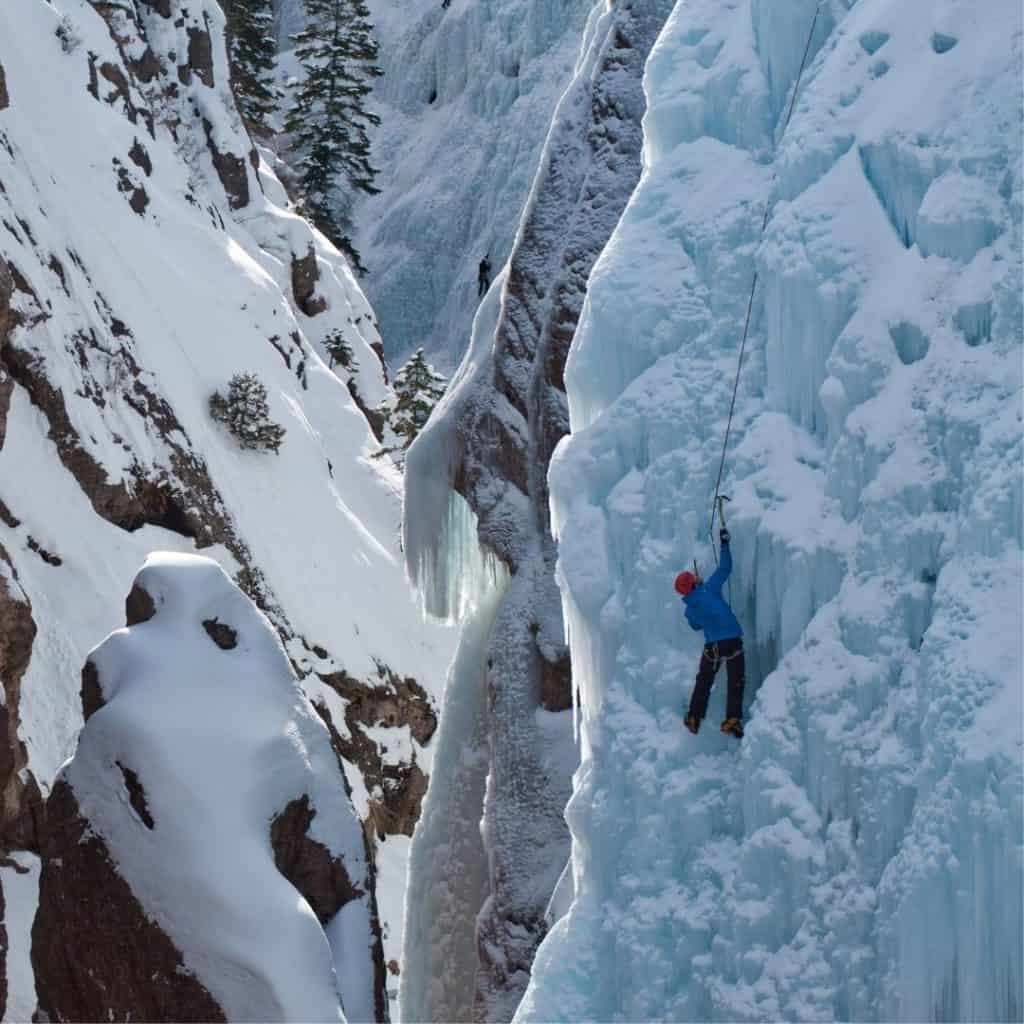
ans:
(483, 277)
(707, 610)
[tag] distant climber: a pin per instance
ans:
(707, 610)
(483, 277)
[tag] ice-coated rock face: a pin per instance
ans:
(465, 101)
(858, 856)
(494, 434)
(202, 858)
(146, 256)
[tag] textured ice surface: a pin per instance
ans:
(859, 855)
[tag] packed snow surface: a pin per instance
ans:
(858, 855)
(221, 741)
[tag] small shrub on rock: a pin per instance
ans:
(245, 412)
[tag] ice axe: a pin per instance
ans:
(721, 499)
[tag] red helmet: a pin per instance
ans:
(685, 582)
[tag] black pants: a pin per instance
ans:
(731, 652)
(482, 284)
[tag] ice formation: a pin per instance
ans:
(486, 451)
(859, 855)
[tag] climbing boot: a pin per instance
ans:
(733, 727)
(692, 722)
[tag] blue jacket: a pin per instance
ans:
(706, 608)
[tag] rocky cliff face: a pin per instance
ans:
(496, 433)
(147, 254)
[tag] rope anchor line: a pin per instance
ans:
(716, 503)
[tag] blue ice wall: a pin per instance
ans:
(858, 855)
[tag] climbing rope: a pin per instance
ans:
(715, 505)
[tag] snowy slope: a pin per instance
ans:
(151, 261)
(465, 102)
(858, 856)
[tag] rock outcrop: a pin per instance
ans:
(96, 953)
(20, 802)
(305, 275)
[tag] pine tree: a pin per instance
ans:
(245, 412)
(340, 351)
(253, 54)
(328, 119)
(418, 388)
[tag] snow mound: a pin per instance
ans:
(199, 702)
(859, 855)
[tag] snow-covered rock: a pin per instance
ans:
(201, 857)
(149, 254)
(476, 499)
(859, 855)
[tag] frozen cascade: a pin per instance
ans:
(447, 845)
(858, 856)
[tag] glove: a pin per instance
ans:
(723, 535)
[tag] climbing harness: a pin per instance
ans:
(716, 658)
(716, 504)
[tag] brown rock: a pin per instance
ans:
(138, 198)
(136, 795)
(147, 67)
(121, 89)
(395, 702)
(140, 157)
(221, 634)
(307, 864)
(6, 381)
(92, 690)
(20, 802)
(5, 100)
(200, 55)
(374, 417)
(231, 170)
(138, 607)
(305, 275)
(96, 955)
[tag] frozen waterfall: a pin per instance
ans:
(859, 855)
